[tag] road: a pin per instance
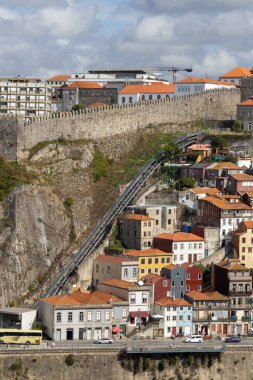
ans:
(132, 346)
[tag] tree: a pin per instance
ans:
(186, 183)
(236, 126)
(218, 142)
(78, 107)
(171, 150)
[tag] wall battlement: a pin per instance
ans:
(112, 120)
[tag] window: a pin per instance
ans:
(181, 257)
(125, 272)
(175, 257)
(189, 317)
(168, 318)
(172, 283)
(149, 270)
(142, 261)
(157, 222)
(200, 245)
(98, 316)
(165, 283)
(175, 246)
(157, 212)
(195, 245)
(163, 260)
(181, 318)
(142, 271)
(182, 283)
(58, 317)
(132, 298)
(70, 316)
(199, 276)
(89, 316)
(108, 270)
(199, 288)
(243, 249)
(174, 318)
(130, 99)
(107, 316)
(169, 221)
(181, 246)
(250, 249)
(150, 97)
(168, 260)
(124, 313)
(188, 288)
(243, 240)
(156, 270)
(144, 298)
(81, 316)
(156, 260)
(134, 272)
(149, 261)
(97, 268)
(188, 276)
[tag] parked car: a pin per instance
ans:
(233, 339)
(194, 339)
(104, 341)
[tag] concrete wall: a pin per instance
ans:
(117, 120)
(246, 88)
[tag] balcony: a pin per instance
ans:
(240, 293)
(245, 318)
(233, 318)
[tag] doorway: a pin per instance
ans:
(70, 334)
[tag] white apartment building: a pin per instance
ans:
(185, 247)
(25, 96)
(190, 85)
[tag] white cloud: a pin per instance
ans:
(6, 14)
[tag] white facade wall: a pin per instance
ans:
(27, 319)
(228, 224)
(183, 250)
(133, 98)
(191, 88)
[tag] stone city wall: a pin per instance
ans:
(115, 120)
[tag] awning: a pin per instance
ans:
(116, 329)
(142, 314)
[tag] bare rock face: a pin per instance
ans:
(36, 229)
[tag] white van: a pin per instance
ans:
(194, 339)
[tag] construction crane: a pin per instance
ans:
(172, 69)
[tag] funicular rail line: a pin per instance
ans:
(100, 232)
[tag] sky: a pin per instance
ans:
(43, 38)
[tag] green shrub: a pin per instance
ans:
(17, 366)
(70, 360)
(146, 364)
(100, 166)
(68, 202)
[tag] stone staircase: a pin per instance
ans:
(144, 330)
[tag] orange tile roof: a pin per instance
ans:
(140, 217)
(147, 252)
(242, 177)
(81, 298)
(200, 147)
(216, 296)
(205, 80)
(185, 266)
(237, 72)
(180, 236)
(156, 88)
(223, 204)
(80, 84)
(97, 104)
(112, 259)
(59, 78)
(152, 278)
(206, 190)
(170, 266)
(232, 264)
(118, 283)
(198, 296)
(248, 223)
(166, 301)
(248, 102)
(225, 165)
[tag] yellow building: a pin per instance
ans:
(243, 242)
(150, 260)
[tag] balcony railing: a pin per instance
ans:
(233, 318)
(245, 318)
(240, 293)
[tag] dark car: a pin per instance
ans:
(233, 339)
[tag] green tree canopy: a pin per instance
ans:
(186, 183)
(78, 107)
(236, 126)
(218, 142)
(171, 150)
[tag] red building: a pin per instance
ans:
(161, 285)
(194, 277)
(239, 183)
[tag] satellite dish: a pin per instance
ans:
(140, 282)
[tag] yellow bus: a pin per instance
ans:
(15, 336)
